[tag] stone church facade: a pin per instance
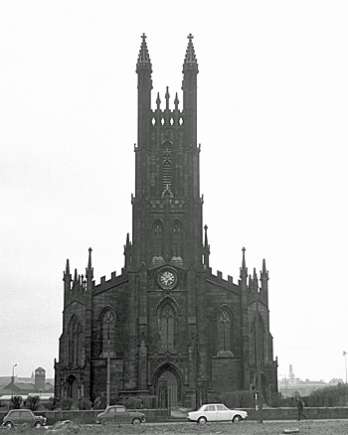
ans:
(167, 325)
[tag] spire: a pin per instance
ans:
(190, 57)
(67, 267)
(67, 275)
(250, 281)
(264, 271)
(243, 270)
(176, 102)
(205, 236)
(167, 98)
(144, 57)
(127, 252)
(206, 249)
(75, 277)
(89, 268)
(243, 258)
(89, 258)
(158, 101)
(264, 277)
(255, 280)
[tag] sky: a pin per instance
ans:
(272, 123)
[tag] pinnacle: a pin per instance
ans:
(67, 267)
(190, 57)
(143, 57)
(89, 258)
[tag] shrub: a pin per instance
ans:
(336, 395)
(237, 399)
(84, 403)
(99, 402)
(16, 402)
(66, 404)
(51, 404)
(32, 402)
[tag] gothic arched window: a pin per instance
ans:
(167, 328)
(158, 238)
(257, 342)
(177, 239)
(75, 343)
(224, 327)
(108, 331)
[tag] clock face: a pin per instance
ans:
(167, 279)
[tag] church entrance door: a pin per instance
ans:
(72, 387)
(167, 390)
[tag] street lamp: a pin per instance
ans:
(345, 363)
(13, 376)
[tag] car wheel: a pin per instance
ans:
(136, 421)
(236, 419)
(202, 420)
(37, 425)
(9, 425)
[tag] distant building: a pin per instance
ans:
(40, 379)
(292, 386)
(24, 386)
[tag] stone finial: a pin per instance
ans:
(143, 57)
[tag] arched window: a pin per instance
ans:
(177, 239)
(257, 342)
(224, 326)
(108, 331)
(158, 238)
(75, 343)
(167, 328)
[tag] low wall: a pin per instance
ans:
(291, 413)
(89, 416)
(154, 415)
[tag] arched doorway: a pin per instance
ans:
(168, 386)
(72, 387)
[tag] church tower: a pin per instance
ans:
(166, 326)
(167, 207)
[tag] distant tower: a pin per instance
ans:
(291, 374)
(40, 379)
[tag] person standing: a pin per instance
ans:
(300, 408)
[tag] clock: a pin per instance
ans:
(167, 279)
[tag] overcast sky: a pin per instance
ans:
(272, 121)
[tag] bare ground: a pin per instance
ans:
(316, 427)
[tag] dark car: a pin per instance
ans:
(120, 414)
(16, 417)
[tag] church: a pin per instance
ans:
(166, 326)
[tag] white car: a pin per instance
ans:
(216, 412)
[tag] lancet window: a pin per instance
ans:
(108, 331)
(177, 239)
(224, 327)
(158, 238)
(75, 343)
(167, 327)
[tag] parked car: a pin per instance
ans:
(216, 412)
(120, 414)
(20, 416)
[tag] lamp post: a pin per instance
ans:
(13, 377)
(108, 375)
(345, 363)
(258, 395)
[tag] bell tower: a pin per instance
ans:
(167, 207)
